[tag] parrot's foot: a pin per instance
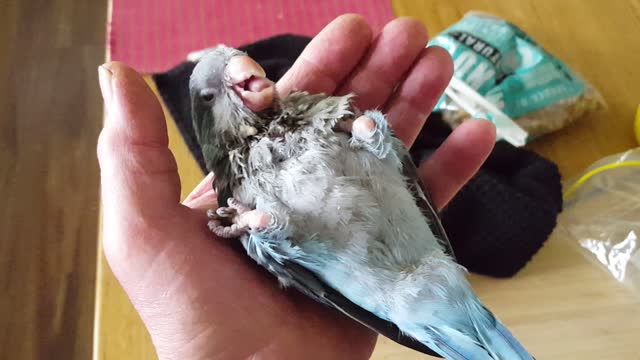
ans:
(363, 127)
(234, 208)
(371, 132)
(236, 220)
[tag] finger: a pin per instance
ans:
(202, 194)
(329, 57)
(137, 167)
(206, 201)
(416, 96)
(204, 186)
(457, 160)
(387, 61)
(140, 186)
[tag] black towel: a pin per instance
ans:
(496, 223)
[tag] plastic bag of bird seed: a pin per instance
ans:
(503, 75)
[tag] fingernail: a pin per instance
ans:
(106, 85)
(207, 201)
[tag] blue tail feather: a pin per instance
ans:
(480, 337)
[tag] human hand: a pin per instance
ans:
(197, 297)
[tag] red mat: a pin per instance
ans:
(154, 35)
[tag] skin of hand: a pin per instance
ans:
(197, 297)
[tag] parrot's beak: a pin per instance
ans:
(248, 80)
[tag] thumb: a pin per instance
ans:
(140, 186)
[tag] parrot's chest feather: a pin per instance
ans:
(303, 124)
(294, 165)
(345, 206)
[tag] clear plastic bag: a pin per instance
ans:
(602, 214)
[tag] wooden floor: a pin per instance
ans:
(50, 115)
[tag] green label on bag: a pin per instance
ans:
(506, 66)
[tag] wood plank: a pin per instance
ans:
(50, 116)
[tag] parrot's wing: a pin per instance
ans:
(311, 285)
(422, 197)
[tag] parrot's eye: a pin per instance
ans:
(206, 96)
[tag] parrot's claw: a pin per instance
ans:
(226, 212)
(233, 209)
(240, 217)
(239, 207)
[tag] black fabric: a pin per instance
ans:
(503, 215)
(496, 223)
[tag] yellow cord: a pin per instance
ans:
(595, 171)
(585, 177)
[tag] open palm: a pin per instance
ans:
(200, 299)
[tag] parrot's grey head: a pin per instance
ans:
(228, 91)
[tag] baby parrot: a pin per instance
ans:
(327, 199)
